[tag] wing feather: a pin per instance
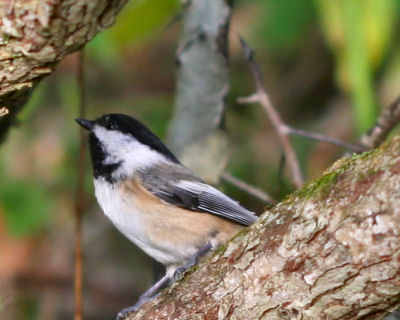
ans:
(179, 186)
(199, 196)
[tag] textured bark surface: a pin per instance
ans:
(202, 85)
(329, 251)
(36, 35)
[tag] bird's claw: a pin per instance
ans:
(124, 313)
(179, 271)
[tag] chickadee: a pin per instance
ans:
(154, 200)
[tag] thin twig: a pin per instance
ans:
(262, 97)
(255, 192)
(281, 167)
(389, 117)
(79, 196)
(324, 138)
(250, 99)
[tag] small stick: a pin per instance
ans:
(389, 117)
(262, 97)
(324, 138)
(255, 192)
(281, 167)
(79, 195)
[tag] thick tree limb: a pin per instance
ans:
(202, 85)
(330, 251)
(36, 35)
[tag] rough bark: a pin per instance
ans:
(329, 251)
(202, 85)
(36, 35)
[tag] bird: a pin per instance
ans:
(155, 201)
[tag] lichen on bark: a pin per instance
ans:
(35, 35)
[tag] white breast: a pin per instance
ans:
(130, 221)
(121, 214)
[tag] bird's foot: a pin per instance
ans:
(203, 250)
(149, 295)
(124, 313)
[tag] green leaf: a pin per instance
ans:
(142, 18)
(359, 33)
(138, 21)
(359, 71)
(26, 206)
(285, 24)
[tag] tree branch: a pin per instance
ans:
(354, 147)
(201, 87)
(261, 96)
(330, 251)
(389, 117)
(80, 193)
(36, 35)
(255, 192)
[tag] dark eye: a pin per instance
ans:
(110, 125)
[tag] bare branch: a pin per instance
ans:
(80, 193)
(255, 192)
(250, 99)
(389, 117)
(324, 138)
(277, 123)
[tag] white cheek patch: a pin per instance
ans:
(125, 149)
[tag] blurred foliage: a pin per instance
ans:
(137, 23)
(360, 34)
(285, 24)
(27, 216)
(141, 19)
(375, 19)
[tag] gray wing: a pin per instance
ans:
(190, 193)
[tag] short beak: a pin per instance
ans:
(87, 124)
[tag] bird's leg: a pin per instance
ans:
(148, 295)
(151, 292)
(193, 260)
